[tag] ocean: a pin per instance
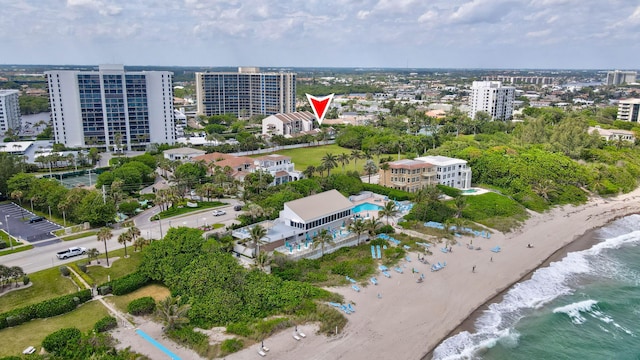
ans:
(585, 306)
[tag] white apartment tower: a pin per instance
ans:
(109, 106)
(246, 93)
(9, 111)
(618, 77)
(629, 110)
(492, 98)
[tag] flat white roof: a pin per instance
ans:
(15, 146)
(438, 160)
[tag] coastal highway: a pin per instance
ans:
(44, 257)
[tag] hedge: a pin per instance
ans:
(58, 340)
(142, 306)
(44, 309)
(391, 193)
(105, 324)
(127, 283)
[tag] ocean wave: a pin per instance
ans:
(574, 310)
(545, 285)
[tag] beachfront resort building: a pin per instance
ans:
(629, 110)
(301, 220)
(245, 93)
(408, 175)
(613, 134)
(450, 171)
(10, 118)
(492, 98)
(279, 166)
(111, 108)
(289, 124)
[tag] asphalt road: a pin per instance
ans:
(44, 257)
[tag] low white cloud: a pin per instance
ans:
(537, 34)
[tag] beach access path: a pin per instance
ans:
(409, 319)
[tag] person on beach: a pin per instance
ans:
(473, 269)
(491, 260)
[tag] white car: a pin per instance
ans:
(219, 212)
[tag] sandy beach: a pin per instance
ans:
(410, 318)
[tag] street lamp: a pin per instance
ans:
(6, 221)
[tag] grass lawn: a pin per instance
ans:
(303, 157)
(79, 236)
(119, 268)
(33, 332)
(47, 284)
(158, 292)
(175, 211)
(16, 250)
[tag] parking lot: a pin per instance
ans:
(15, 220)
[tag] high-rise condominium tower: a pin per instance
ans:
(112, 108)
(492, 98)
(246, 93)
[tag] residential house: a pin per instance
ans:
(450, 171)
(613, 134)
(182, 154)
(280, 166)
(408, 175)
(289, 124)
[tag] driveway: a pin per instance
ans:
(15, 221)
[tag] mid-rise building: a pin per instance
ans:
(10, 118)
(279, 166)
(492, 98)
(450, 171)
(408, 175)
(289, 124)
(618, 77)
(629, 110)
(112, 108)
(245, 93)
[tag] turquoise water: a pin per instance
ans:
(366, 207)
(586, 306)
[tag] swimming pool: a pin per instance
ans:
(366, 207)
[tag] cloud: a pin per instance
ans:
(537, 34)
(481, 11)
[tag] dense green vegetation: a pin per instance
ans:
(219, 290)
(33, 104)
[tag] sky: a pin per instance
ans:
(540, 34)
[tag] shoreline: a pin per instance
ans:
(582, 242)
(410, 320)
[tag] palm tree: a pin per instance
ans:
(134, 231)
(389, 210)
(355, 156)
(172, 313)
(344, 159)
(124, 238)
(329, 161)
(263, 260)
(309, 171)
(323, 238)
(372, 224)
(429, 194)
(358, 227)
(460, 203)
(256, 233)
(92, 253)
(384, 167)
(370, 168)
(18, 194)
(104, 235)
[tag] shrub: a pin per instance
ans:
(26, 280)
(64, 271)
(58, 340)
(104, 290)
(391, 193)
(83, 267)
(142, 306)
(193, 339)
(386, 229)
(105, 324)
(3, 245)
(128, 283)
(239, 329)
(448, 190)
(231, 345)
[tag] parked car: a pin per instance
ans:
(219, 212)
(237, 207)
(34, 219)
